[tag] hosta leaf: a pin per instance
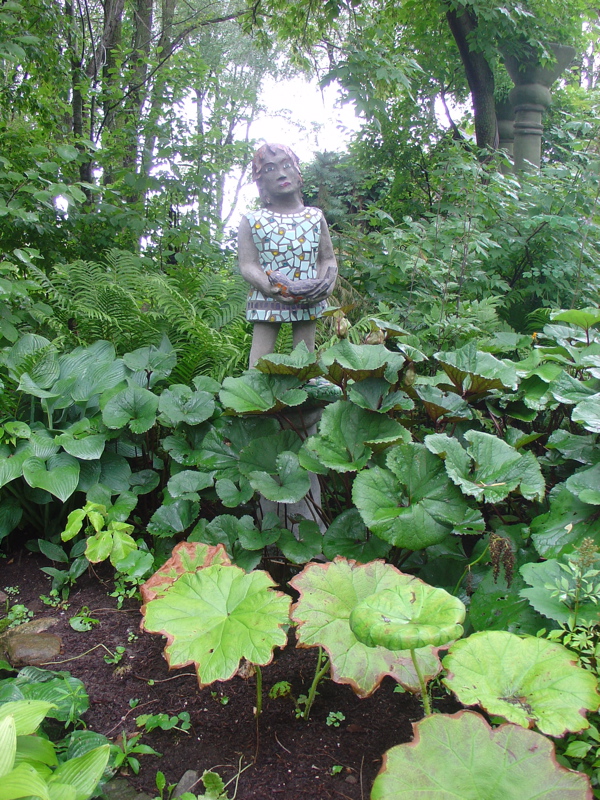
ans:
(359, 361)
(328, 594)
(186, 557)
(133, 406)
(290, 483)
(526, 680)
(461, 756)
(87, 448)
(474, 372)
(215, 617)
(174, 516)
(27, 714)
(23, 781)
(254, 392)
(348, 536)
(179, 403)
(65, 693)
(10, 515)
(83, 772)
(59, 475)
(409, 616)
(490, 468)
(413, 504)
(8, 745)
(545, 601)
(300, 363)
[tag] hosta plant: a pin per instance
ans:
(29, 764)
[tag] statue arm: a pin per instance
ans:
(249, 262)
(326, 261)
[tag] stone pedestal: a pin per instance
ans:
(304, 422)
(530, 98)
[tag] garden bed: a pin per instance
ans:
(290, 759)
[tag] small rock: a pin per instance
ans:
(351, 779)
(187, 781)
(32, 649)
(119, 789)
(3, 597)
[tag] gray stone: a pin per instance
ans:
(187, 783)
(120, 789)
(32, 649)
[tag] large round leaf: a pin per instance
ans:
(300, 363)
(290, 483)
(134, 406)
(179, 403)
(409, 616)
(215, 617)
(186, 557)
(254, 392)
(328, 594)
(261, 454)
(527, 680)
(348, 536)
(547, 576)
(460, 757)
(484, 372)
(59, 475)
(413, 504)
(359, 361)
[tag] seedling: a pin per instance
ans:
(150, 722)
(53, 600)
(83, 621)
(16, 615)
(336, 769)
(116, 657)
(334, 718)
(127, 748)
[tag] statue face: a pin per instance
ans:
(279, 177)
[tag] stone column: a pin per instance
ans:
(530, 98)
(505, 117)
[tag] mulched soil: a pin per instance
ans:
(291, 758)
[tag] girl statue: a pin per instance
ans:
(285, 254)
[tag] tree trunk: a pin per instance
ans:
(480, 78)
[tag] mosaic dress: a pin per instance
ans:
(289, 243)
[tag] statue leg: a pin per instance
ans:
(304, 332)
(263, 340)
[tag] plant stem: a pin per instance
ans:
(467, 568)
(312, 692)
(422, 684)
(258, 711)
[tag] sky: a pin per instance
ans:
(303, 116)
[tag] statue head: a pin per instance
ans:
(276, 170)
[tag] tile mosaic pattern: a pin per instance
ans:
(289, 243)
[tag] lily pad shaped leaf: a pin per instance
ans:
(348, 536)
(253, 392)
(412, 504)
(290, 483)
(460, 756)
(328, 595)
(179, 403)
(346, 361)
(586, 485)
(215, 617)
(490, 468)
(300, 363)
(133, 406)
(186, 557)
(587, 413)
(474, 372)
(525, 679)
(407, 617)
